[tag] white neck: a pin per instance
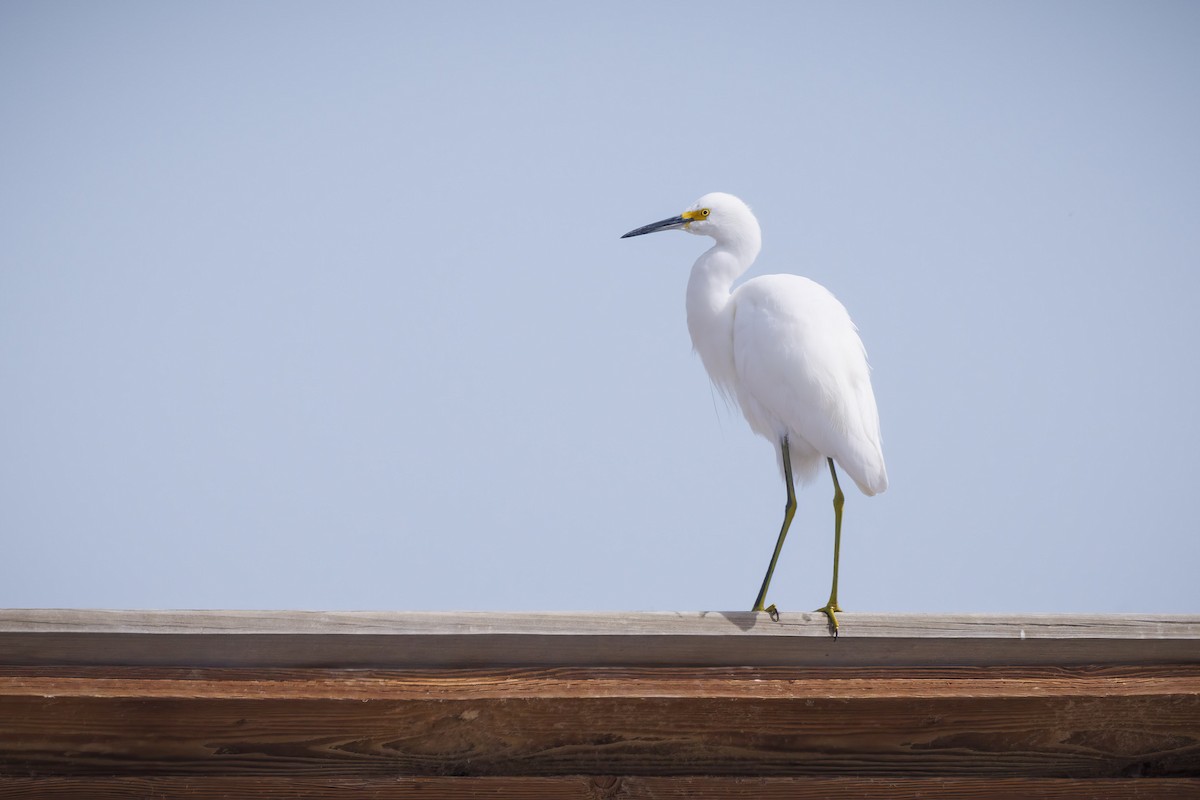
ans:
(709, 312)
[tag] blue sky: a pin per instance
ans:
(324, 306)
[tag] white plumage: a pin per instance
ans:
(787, 352)
(801, 371)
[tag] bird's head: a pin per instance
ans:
(716, 214)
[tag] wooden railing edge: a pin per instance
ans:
(380, 639)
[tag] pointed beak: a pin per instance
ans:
(662, 225)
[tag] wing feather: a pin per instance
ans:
(802, 371)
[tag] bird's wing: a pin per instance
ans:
(802, 370)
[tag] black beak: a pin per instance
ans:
(662, 225)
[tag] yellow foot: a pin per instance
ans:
(771, 610)
(828, 610)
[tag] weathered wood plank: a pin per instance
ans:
(595, 788)
(882, 723)
(466, 639)
(305, 704)
(572, 623)
(516, 683)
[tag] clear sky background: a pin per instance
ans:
(323, 306)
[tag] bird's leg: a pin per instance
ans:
(788, 512)
(838, 500)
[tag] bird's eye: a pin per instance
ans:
(704, 212)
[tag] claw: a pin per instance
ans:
(772, 612)
(829, 612)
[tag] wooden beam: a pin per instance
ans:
(291, 704)
(1096, 723)
(471, 639)
(597, 788)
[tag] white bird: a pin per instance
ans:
(786, 351)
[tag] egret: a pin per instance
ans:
(786, 352)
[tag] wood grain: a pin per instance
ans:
(596, 788)
(471, 639)
(1086, 723)
(195, 704)
(574, 682)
